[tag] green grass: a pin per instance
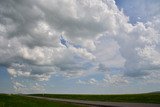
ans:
(21, 101)
(134, 98)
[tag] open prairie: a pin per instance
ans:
(134, 98)
(72, 100)
(7, 100)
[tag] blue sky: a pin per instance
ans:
(139, 10)
(101, 47)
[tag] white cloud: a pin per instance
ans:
(30, 39)
(12, 72)
(29, 88)
(91, 81)
(115, 79)
(138, 48)
(18, 86)
(107, 53)
(83, 52)
(152, 78)
(73, 74)
(108, 80)
(81, 82)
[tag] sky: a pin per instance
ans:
(79, 46)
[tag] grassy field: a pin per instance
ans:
(20, 101)
(135, 98)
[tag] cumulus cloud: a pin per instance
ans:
(91, 81)
(133, 48)
(42, 37)
(30, 35)
(115, 79)
(152, 78)
(29, 88)
(26, 28)
(107, 53)
(137, 45)
(18, 86)
(108, 80)
(139, 48)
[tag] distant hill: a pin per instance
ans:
(155, 92)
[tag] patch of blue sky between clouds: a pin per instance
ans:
(5, 81)
(63, 41)
(67, 43)
(139, 10)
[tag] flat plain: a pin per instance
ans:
(132, 98)
(15, 100)
(7, 100)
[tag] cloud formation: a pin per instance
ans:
(40, 38)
